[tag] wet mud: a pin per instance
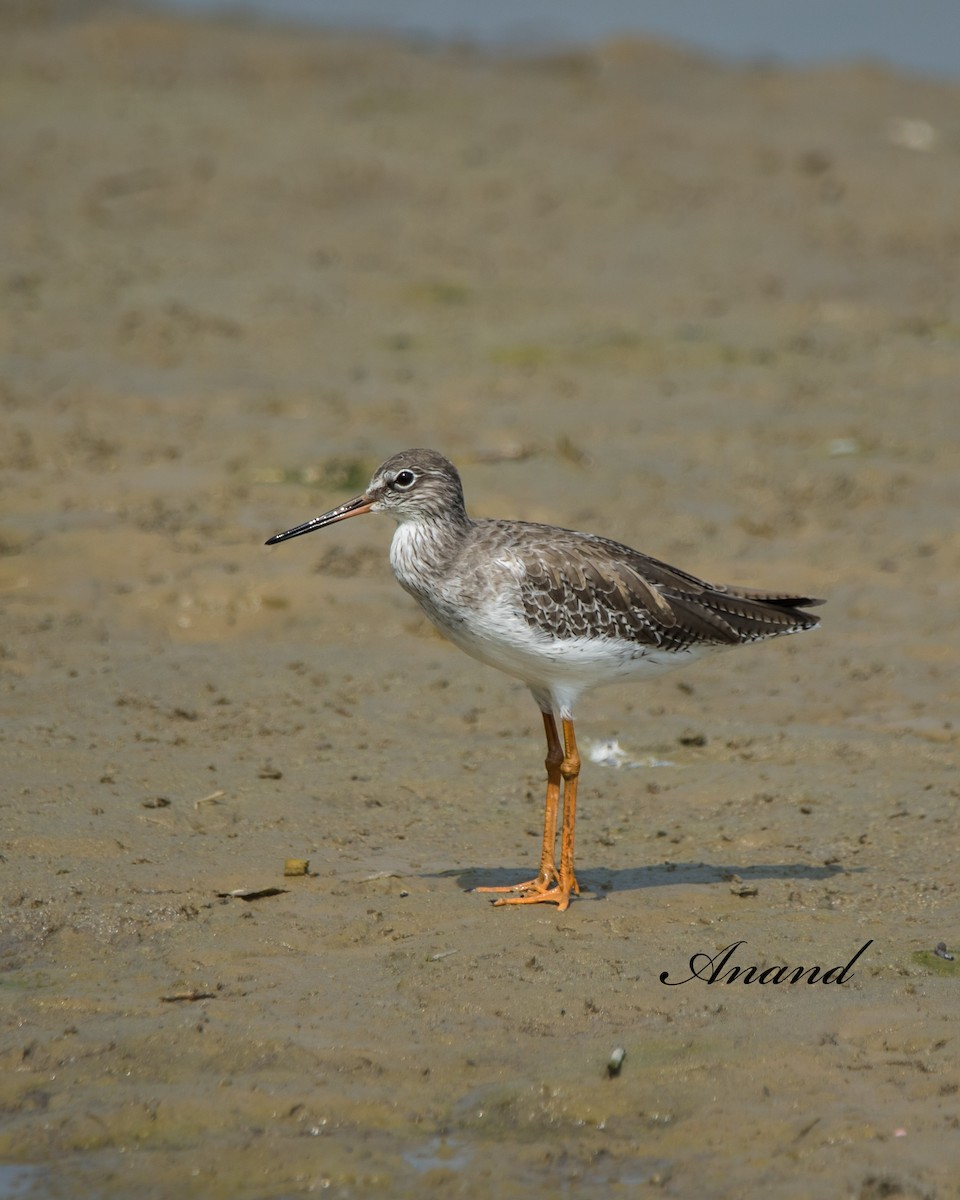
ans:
(711, 312)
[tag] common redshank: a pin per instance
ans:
(560, 610)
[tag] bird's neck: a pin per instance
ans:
(424, 549)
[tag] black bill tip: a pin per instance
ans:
(353, 508)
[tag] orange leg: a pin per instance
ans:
(548, 870)
(539, 890)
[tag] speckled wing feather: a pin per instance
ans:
(577, 586)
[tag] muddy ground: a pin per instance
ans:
(709, 311)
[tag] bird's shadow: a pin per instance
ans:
(600, 881)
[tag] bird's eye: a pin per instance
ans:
(404, 480)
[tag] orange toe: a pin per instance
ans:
(548, 877)
(555, 895)
(559, 894)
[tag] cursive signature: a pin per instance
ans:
(717, 968)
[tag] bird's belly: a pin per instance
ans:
(501, 639)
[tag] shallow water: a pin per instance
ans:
(921, 39)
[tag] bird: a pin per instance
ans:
(559, 610)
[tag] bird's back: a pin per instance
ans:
(573, 585)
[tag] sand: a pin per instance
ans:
(709, 311)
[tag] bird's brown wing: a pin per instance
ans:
(575, 586)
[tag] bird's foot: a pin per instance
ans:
(547, 888)
(558, 895)
(548, 877)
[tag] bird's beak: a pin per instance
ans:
(353, 508)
